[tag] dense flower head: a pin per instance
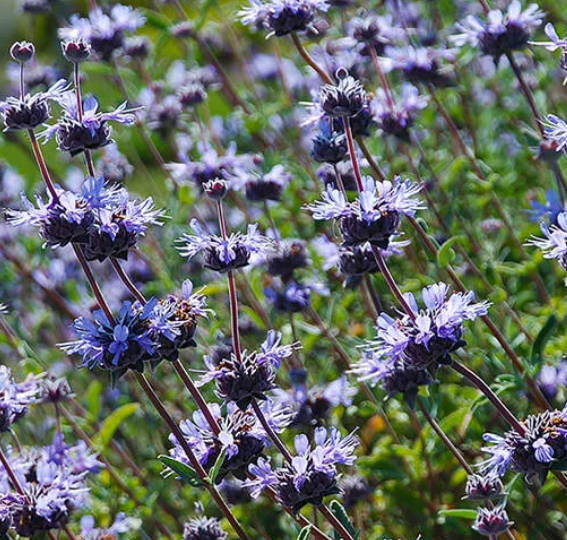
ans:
(269, 186)
(484, 487)
(551, 378)
(500, 32)
(241, 437)
(492, 521)
(31, 110)
(15, 398)
(138, 334)
(312, 475)
(102, 218)
(533, 453)
(398, 117)
(344, 99)
(433, 334)
(372, 31)
(22, 51)
(393, 375)
(420, 64)
(287, 257)
(90, 133)
(311, 406)
(354, 489)
(223, 254)
(374, 216)
(54, 390)
(76, 50)
(230, 166)
(290, 297)
(329, 146)
(104, 32)
(248, 376)
(203, 528)
(554, 243)
(53, 487)
(282, 17)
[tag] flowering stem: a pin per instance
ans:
(477, 381)
(382, 77)
(272, 223)
(371, 161)
(10, 472)
(233, 298)
(391, 282)
(309, 59)
(337, 525)
(178, 434)
(22, 93)
(271, 433)
(441, 434)
(197, 396)
(93, 283)
(127, 281)
(42, 165)
(69, 533)
(352, 153)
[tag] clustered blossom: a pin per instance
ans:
(312, 474)
(241, 437)
(311, 406)
(269, 186)
(53, 483)
(374, 216)
(424, 341)
(31, 110)
(230, 166)
(420, 64)
(282, 17)
(104, 32)
(138, 334)
(223, 254)
(501, 32)
(541, 447)
(122, 524)
(203, 528)
(15, 398)
(492, 522)
(247, 376)
(398, 116)
(555, 130)
(92, 131)
(101, 218)
(554, 245)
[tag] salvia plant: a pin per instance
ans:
(283, 269)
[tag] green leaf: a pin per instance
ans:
(462, 513)
(542, 338)
(213, 473)
(340, 513)
(113, 421)
(304, 533)
(446, 255)
(183, 471)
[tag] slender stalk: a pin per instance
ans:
(127, 281)
(309, 59)
(176, 430)
(271, 433)
(42, 165)
(337, 525)
(391, 282)
(352, 153)
(477, 381)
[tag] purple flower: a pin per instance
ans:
(374, 216)
(282, 17)
(223, 255)
(104, 32)
(312, 475)
(500, 32)
(428, 340)
(492, 521)
(90, 133)
(15, 398)
(554, 245)
(203, 528)
(556, 130)
(547, 211)
(551, 378)
(121, 525)
(533, 453)
(241, 437)
(31, 111)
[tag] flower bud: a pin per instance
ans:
(216, 189)
(22, 51)
(76, 50)
(484, 487)
(492, 522)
